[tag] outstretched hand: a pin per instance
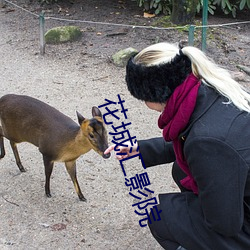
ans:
(122, 149)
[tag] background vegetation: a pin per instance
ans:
(165, 6)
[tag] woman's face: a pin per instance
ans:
(156, 106)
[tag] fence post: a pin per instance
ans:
(191, 35)
(204, 24)
(42, 31)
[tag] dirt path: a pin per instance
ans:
(74, 77)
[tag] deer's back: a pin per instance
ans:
(24, 118)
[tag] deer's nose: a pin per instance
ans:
(106, 156)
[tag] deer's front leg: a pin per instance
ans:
(48, 165)
(71, 168)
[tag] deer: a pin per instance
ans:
(58, 137)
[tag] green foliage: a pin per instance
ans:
(165, 6)
(211, 7)
(244, 4)
(231, 6)
(157, 6)
(226, 6)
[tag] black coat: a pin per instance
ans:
(216, 145)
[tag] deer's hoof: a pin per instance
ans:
(48, 195)
(82, 198)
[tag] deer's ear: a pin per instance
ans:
(80, 118)
(96, 112)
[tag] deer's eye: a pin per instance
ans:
(91, 136)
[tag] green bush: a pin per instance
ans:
(165, 6)
(156, 6)
(232, 6)
(211, 7)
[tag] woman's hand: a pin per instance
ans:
(125, 150)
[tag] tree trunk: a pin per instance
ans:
(183, 11)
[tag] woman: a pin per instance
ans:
(205, 118)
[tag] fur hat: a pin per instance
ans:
(156, 83)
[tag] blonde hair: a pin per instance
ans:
(202, 67)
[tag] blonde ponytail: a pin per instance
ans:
(217, 78)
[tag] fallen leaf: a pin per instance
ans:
(58, 227)
(147, 15)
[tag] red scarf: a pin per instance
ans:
(174, 119)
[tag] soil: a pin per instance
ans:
(77, 76)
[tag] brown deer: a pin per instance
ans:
(59, 138)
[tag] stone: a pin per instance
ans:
(239, 76)
(2, 3)
(121, 58)
(63, 34)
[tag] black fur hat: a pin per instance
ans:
(156, 83)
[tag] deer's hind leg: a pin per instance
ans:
(15, 151)
(1, 144)
(71, 168)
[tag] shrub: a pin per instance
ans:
(165, 6)
(157, 6)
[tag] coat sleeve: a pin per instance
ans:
(220, 173)
(156, 151)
